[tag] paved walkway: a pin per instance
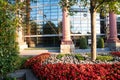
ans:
(36, 52)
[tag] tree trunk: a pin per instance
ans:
(27, 21)
(93, 31)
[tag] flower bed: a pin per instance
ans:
(116, 53)
(39, 58)
(74, 67)
(61, 71)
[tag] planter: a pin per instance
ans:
(24, 74)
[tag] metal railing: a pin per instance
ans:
(55, 35)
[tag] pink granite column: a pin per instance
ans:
(112, 28)
(66, 43)
(66, 28)
(113, 42)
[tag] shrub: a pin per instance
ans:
(83, 43)
(79, 57)
(104, 58)
(8, 46)
(59, 56)
(21, 60)
(39, 58)
(69, 54)
(100, 43)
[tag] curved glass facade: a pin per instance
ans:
(43, 11)
(46, 18)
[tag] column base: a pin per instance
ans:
(31, 44)
(22, 46)
(114, 46)
(67, 47)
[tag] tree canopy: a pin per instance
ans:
(49, 28)
(105, 5)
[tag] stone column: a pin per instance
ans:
(67, 45)
(22, 45)
(113, 41)
(20, 37)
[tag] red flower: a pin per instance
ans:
(61, 71)
(39, 58)
(116, 53)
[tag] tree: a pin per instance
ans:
(49, 28)
(59, 27)
(28, 27)
(96, 5)
(67, 4)
(33, 26)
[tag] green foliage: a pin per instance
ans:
(21, 61)
(83, 43)
(69, 54)
(104, 6)
(59, 27)
(59, 56)
(8, 46)
(49, 28)
(68, 4)
(104, 58)
(100, 43)
(79, 57)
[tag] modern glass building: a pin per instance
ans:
(43, 11)
(47, 17)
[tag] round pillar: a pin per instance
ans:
(113, 42)
(67, 45)
(112, 28)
